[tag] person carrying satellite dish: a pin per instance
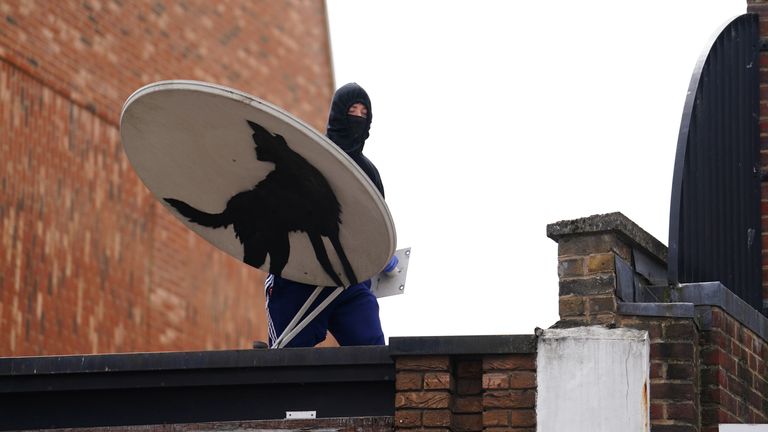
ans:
(353, 316)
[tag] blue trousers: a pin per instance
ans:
(352, 317)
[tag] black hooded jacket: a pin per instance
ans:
(350, 132)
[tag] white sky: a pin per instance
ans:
(494, 118)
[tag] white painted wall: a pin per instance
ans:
(593, 379)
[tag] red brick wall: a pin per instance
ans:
(509, 393)
(424, 385)
(734, 375)
(467, 406)
(89, 262)
(675, 385)
(491, 393)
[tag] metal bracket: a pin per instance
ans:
(392, 283)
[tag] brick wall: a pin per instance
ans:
(707, 367)
(509, 393)
(89, 261)
(458, 391)
(734, 376)
(424, 386)
(761, 7)
(488, 393)
(675, 389)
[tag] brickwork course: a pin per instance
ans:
(89, 261)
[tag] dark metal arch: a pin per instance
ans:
(714, 224)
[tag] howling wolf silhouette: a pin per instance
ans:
(295, 196)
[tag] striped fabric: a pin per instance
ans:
(268, 283)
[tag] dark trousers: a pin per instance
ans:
(352, 317)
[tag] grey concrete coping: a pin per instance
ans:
(609, 223)
(462, 345)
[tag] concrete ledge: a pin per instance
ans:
(610, 222)
(457, 345)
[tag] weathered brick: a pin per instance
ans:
(709, 415)
(601, 283)
(437, 418)
(681, 371)
(718, 357)
(710, 395)
(682, 411)
(469, 368)
(604, 319)
(600, 263)
(657, 370)
(736, 386)
(437, 381)
(601, 304)
(758, 401)
(469, 386)
(713, 376)
(496, 418)
(509, 362)
(495, 381)
(508, 429)
(408, 418)
(652, 327)
(408, 381)
(509, 399)
(522, 380)
(583, 245)
(570, 267)
(433, 399)
(423, 363)
(672, 350)
(467, 422)
(571, 305)
(718, 318)
(657, 410)
(672, 391)
(522, 418)
(674, 428)
(468, 404)
(717, 337)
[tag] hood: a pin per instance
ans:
(341, 130)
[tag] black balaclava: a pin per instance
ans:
(350, 132)
(347, 131)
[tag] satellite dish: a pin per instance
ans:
(257, 183)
